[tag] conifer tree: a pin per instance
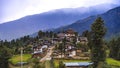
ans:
(5, 54)
(115, 48)
(98, 53)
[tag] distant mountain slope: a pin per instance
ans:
(111, 19)
(52, 19)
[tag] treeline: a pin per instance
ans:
(98, 45)
(10, 48)
(13, 47)
(114, 46)
(15, 44)
(48, 34)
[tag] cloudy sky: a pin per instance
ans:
(15, 9)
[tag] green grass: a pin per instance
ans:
(113, 62)
(17, 58)
(47, 64)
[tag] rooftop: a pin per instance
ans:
(70, 31)
(77, 63)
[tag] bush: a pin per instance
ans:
(61, 64)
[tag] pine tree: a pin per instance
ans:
(98, 53)
(115, 48)
(5, 54)
(64, 43)
(112, 45)
(85, 33)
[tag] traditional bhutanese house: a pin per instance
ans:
(38, 50)
(72, 53)
(44, 48)
(55, 40)
(36, 54)
(69, 33)
(82, 40)
(78, 52)
(77, 64)
(70, 50)
(61, 35)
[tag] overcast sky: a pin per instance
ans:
(14, 9)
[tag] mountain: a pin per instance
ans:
(51, 19)
(111, 19)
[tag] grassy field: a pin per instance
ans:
(17, 58)
(113, 62)
(47, 64)
(25, 66)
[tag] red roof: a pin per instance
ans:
(70, 31)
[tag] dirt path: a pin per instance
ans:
(49, 52)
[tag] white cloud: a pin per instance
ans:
(14, 9)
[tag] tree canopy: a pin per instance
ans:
(98, 31)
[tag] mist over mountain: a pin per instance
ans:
(52, 19)
(111, 19)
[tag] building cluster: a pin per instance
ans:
(70, 35)
(40, 49)
(71, 50)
